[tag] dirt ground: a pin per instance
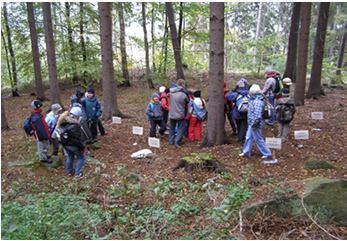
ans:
(327, 144)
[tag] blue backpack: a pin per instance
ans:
(201, 113)
(242, 103)
(28, 127)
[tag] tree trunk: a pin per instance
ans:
(51, 58)
(215, 134)
(341, 52)
(13, 60)
(83, 45)
(35, 52)
(7, 59)
(71, 43)
(122, 46)
(180, 23)
(290, 70)
(315, 87)
(108, 80)
(148, 70)
(153, 40)
(257, 33)
(175, 43)
(305, 18)
(166, 39)
(4, 124)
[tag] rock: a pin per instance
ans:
(144, 153)
(324, 199)
(314, 164)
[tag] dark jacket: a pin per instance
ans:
(232, 97)
(39, 125)
(92, 108)
(74, 134)
(178, 103)
(154, 111)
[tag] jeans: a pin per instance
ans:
(71, 153)
(241, 129)
(175, 137)
(255, 135)
(195, 127)
(154, 123)
(42, 149)
(283, 129)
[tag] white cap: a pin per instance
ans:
(268, 69)
(287, 81)
(76, 111)
(255, 89)
(162, 89)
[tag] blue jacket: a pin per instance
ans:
(92, 108)
(154, 111)
(232, 96)
(51, 120)
(255, 110)
(39, 125)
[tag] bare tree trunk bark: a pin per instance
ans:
(180, 23)
(35, 52)
(7, 60)
(166, 39)
(175, 43)
(13, 60)
(305, 19)
(341, 52)
(148, 70)
(290, 70)
(108, 80)
(51, 57)
(81, 23)
(123, 46)
(257, 32)
(4, 124)
(315, 87)
(153, 40)
(215, 126)
(71, 43)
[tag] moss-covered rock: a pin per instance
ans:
(314, 164)
(94, 146)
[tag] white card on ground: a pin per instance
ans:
(137, 130)
(274, 143)
(301, 135)
(116, 120)
(317, 115)
(154, 142)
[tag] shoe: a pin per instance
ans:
(177, 145)
(266, 157)
(242, 155)
(48, 161)
(79, 176)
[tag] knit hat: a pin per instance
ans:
(76, 111)
(287, 81)
(56, 108)
(162, 89)
(255, 89)
(155, 95)
(79, 94)
(242, 83)
(36, 104)
(91, 90)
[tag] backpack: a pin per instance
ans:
(242, 103)
(285, 112)
(201, 113)
(267, 110)
(63, 134)
(28, 128)
(279, 85)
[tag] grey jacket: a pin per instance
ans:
(178, 103)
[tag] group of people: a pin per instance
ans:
(72, 129)
(247, 108)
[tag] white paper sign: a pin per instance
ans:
(154, 142)
(274, 143)
(317, 115)
(301, 135)
(116, 120)
(137, 130)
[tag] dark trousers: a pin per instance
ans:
(55, 144)
(93, 127)
(154, 123)
(101, 128)
(165, 116)
(241, 129)
(231, 122)
(177, 128)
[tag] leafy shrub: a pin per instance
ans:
(52, 216)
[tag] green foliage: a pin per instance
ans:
(52, 216)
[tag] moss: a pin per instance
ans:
(198, 158)
(314, 164)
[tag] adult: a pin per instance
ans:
(178, 109)
(93, 110)
(228, 105)
(255, 124)
(268, 91)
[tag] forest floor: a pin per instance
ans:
(110, 183)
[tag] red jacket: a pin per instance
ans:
(165, 101)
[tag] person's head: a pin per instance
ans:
(90, 92)
(75, 112)
(36, 104)
(79, 94)
(197, 94)
(55, 108)
(162, 89)
(181, 82)
(242, 83)
(155, 98)
(287, 82)
(255, 89)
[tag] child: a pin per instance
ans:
(164, 99)
(51, 119)
(195, 124)
(285, 110)
(255, 124)
(155, 116)
(93, 110)
(41, 131)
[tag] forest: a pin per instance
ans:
(113, 61)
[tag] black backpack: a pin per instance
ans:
(27, 126)
(285, 112)
(279, 85)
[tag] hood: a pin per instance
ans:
(36, 110)
(92, 99)
(175, 89)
